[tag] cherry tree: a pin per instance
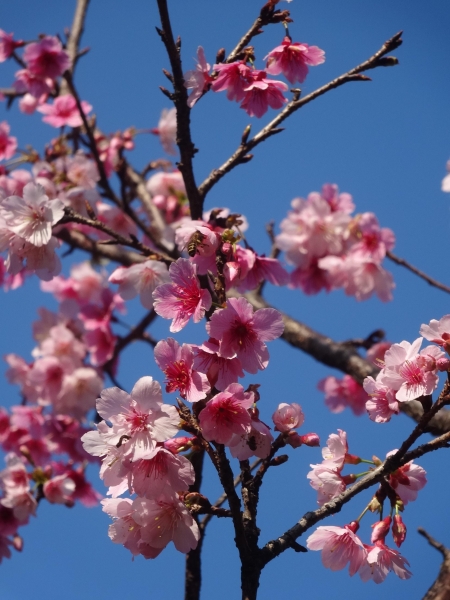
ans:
(103, 236)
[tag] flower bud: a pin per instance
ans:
(398, 530)
(380, 530)
(287, 417)
(310, 439)
(352, 459)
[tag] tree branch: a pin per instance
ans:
(440, 590)
(180, 96)
(403, 263)
(295, 104)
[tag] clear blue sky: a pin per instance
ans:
(385, 142)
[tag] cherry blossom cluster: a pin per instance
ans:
(332, 249)
(252, 87)
(341, 545)
(408, 373)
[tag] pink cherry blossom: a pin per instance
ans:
(64, 111)
(59, 490)
(438, 332)
(382, 403)
(78, 393)
(371, 240)
(142, 278)
(29, 103)
(261, 93)
(328, 482)
(167, 130)
(166, 184)
(335, 451)
(292, 59)
(177, 364)
(183, 298)
(32, 216)
(407, 481)
(445, 186)
(139, 419)
(46, 58)
(8, 45)
(8, 144)
(234, 78)
(242, 333)
(165, 473)
(380, 560)
(38, 87)
(263, 269)
(255, 443)
(219, 371)
(339, 546)
(288, 417)
(342, 393)
(199, 79)
(227, 414)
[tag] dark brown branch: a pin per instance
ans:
(275, 547)
(295, 104)
(180, 96)
(440, 590)
(136, 333)
(403, 263)
(340, 355)
(193, 567)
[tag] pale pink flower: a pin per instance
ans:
(380, 561)
(116, 219)
(8, 45)
(61, 342)
(166, 184)
(263, 269)
(32, 216)
(242, 333)
(142, 278)
(140, 419)
(335, 451)
(80, 170)
(445, 186)
(407, 481)
(339, 546)
(183, 298)
(233, 77)
(100, 342)
(376, 352)
(407, 372)
(177, 363)
(29, 103)
(437, 332)
(8, 144)
(41, 260)
(342, 393)
(287, 417)
(64, 111)
(371, 240)
(227, 414)
(258, 442)
(165, 473)
(261, 93)
(78, 393)
(205, 249)
(15, 483)
(46, 58)
(59, 490)
(339, 202)
(167, 130)
(382, 403)
(166, 519)
(327, 482)
(220, 371)
(292, 59)
(199, 79)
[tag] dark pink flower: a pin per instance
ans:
(262, 93)
(292, 59)
(8, 144)
(398, 530)
(46, 58)
(342, 393)
(7, 45)
(234, 78)
(183, 298)
(242, 333)
(64, 111)
(177, 363)
(407, 481)
(220, 371)
(227, 414)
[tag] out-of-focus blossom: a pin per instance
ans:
(64, 111)
(8, 143)
(46, 58)
(199, 79)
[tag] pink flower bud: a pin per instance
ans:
(353, 526)
(179, 444)
(287, 417)
(310, 439)
(352, 459)
(294, 440)
(380, 530)
(398, 530)
(443, 364)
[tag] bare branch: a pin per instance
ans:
(403, 263)
(294, 105)
(180, 96)
(76, 31)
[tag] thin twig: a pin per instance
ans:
(295, 104)
(76, 31)
(403, 263)
(180, 96)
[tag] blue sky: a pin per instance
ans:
(385, 142)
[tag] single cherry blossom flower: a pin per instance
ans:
(64, 111)
(142, 278)
(227, 414)
(164, 473)
(199, 79)
(342, 393)
(46, 58)
(59, 490)
(32, 216)
(183, 298)
(177, 363)
(288, 417)
(339, 545)
(242, 332)
(382, 403)
(438, 332)
(167, 130)
(8, 143)
(292, 59)
(233, 77)
(380, 561)
(261, 93)
(219, 371)
(407, 480)
(258, 442)
(8, 45)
